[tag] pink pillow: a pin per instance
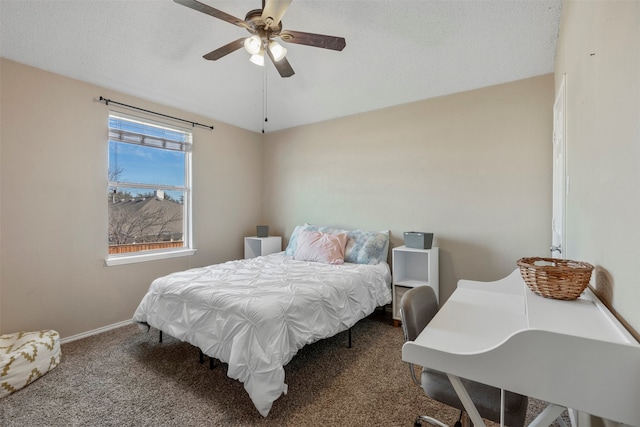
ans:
(321, 247)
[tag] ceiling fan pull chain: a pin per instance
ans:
(264, 99)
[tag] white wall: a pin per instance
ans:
(53, 215)
(599, 51)
(474, 168)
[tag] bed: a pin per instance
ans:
(255, 314)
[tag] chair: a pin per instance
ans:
(417, 307)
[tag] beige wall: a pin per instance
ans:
(599, 51)
(474, 168)
(53, 216)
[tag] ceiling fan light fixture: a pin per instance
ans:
(253, 44)
(258, 58)
(277, 50)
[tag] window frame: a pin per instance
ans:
(187, 220)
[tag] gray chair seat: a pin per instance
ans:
(486, 398)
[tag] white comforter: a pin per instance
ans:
(256, 314)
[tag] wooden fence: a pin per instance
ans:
(137, 247)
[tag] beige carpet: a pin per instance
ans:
(125, 377)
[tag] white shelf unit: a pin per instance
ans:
(413, 267)
(258, 246)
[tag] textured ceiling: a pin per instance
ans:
(397, 51)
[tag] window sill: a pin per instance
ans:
(132, 259)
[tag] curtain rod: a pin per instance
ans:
(107, 101)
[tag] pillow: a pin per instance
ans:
(321, 247)
(385, 251)
(366, 247)
(363, 247)
(293, 240)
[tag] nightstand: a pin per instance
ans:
(411, 268)
(259, 246)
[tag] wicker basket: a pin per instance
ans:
(555, 278)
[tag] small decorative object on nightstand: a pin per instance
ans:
(262, 230)
(412, 267)
(258, 246)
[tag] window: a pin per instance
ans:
(149, 194)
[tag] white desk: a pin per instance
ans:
(574, 354)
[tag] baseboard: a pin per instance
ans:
(95, 331)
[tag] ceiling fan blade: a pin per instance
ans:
(201, 7)
(283, 66)
(315, 40)
(273, 11)
(224, 50)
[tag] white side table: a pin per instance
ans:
(411, 268)
(259, 246)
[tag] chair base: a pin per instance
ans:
(427, 419)
(463, 421)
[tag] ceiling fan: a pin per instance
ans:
(264, 25)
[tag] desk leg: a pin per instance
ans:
(548, 415)
(502, 400)
(466, 401)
